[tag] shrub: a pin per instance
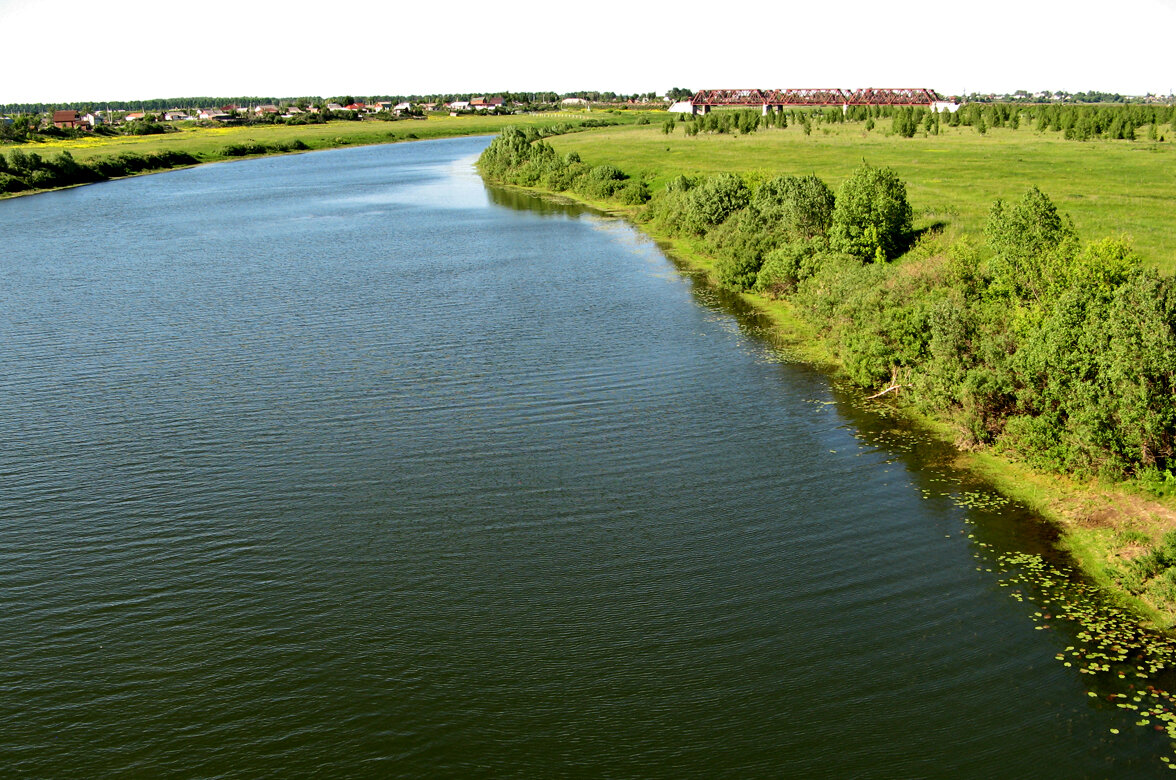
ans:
(796, 207)
(633, 193)
(786, 266)
(1031, 243)
(714, 199)
(671, 212)
(41, 180)
(600, 182)
(10, 183)
(739, 270)
(872, 218)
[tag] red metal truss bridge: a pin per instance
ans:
(779, 98)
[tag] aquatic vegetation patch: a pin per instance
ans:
(1125, 664)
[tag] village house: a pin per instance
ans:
(213, 114)
(68, 119)
(266, 109)
(459, 105)
(134, 116)
(485, 103)
(574, 101)
(401, 108)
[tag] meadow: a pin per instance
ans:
(1110, 188)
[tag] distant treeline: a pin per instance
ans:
(1076, 122)
(155, 104)
(1023, 96)
(1059, 352)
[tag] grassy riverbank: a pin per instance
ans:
(1119, 532)
(192, 144)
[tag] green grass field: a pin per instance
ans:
(1108, 187)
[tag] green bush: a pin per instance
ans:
(10, 183)
(1031, 244)
(786, 266)
(872, 218)
(738, 270)
(633, 193)
(795, 207)
(600, 182)
(714, 199)
(41, 180)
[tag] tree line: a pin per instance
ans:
(1128, 122)
(22, 171)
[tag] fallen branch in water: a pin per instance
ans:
(890, 389)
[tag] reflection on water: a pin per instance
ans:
(519, 200)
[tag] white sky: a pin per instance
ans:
(82, 50)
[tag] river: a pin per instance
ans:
(341, 464)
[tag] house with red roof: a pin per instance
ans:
(68, 119)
